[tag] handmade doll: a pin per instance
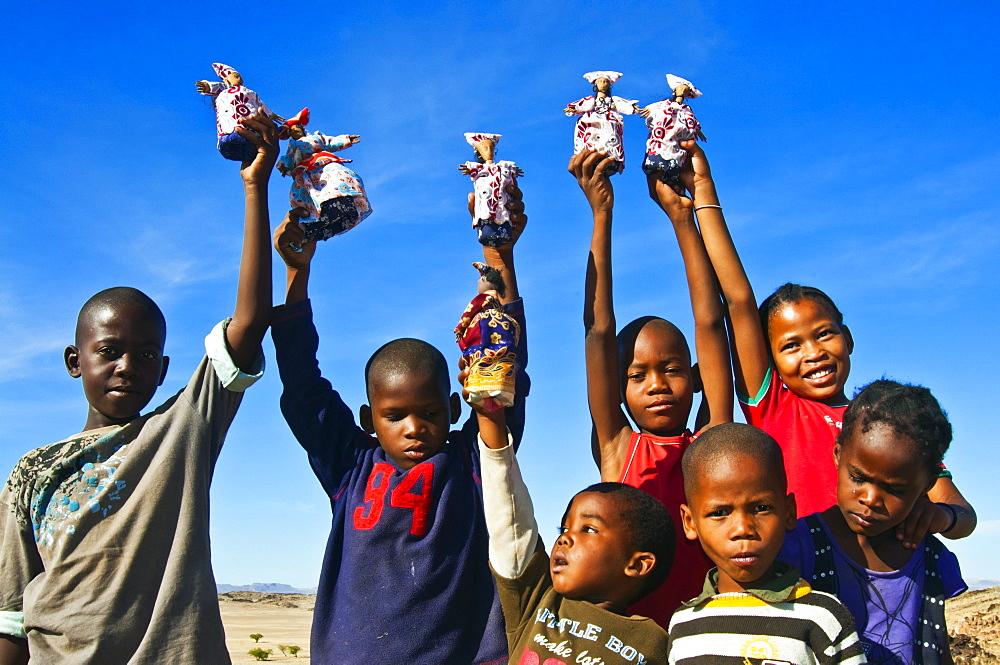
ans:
(671, 121)
(332, 194)
(600, 125)
(488, 337)
(233, 101)
(490, 180)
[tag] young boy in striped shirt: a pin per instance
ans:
(754, 610)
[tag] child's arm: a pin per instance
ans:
(510, 518)
(751, 355)
(253, 296)
(943, 511)
(13, 650)
(503, 257)
(611, 427)
(710, 336)
(291, 245)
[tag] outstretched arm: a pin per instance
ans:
(611, 427)
(711, 344)
(751, 355)
(297, 253)
(502, 257)
(253, 297)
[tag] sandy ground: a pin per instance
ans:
(285, 618)
(974, 624)
(282, 618)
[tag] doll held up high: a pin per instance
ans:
(490, 181)
(332, 194)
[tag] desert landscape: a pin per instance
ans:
(283, 619)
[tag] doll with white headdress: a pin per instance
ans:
(600, 126)
(671, 121)
(332, 194)
(233, 101)
(490, 181)
(488, 336)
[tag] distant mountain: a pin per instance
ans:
(263, 587)
(975, 583)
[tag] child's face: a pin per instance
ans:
(120, 360)
(812, 354)
(659, 386)
(880, 476)
(590, 558)
(740, 515)
(410, 414)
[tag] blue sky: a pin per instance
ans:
(855, 147)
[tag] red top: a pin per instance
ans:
(654, 466)
(806, 430)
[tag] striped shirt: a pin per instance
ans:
(787, 622)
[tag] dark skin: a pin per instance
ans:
(665, 375)
(377, 417)
(752, 352)
(119, 352)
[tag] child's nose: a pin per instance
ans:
(743, 527)
(125, 365)
(413, 426)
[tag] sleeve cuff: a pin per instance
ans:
(12, 623)
(229, 374)
(754, 401)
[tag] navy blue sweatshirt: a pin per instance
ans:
(404, 580)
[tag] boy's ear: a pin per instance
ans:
(365, 416)
(71, 357)
(687, 521)
(455, 405)
(640, 565)
(163, 370)
(836, 455)
(849, 338)
(790, 511)
(696, 378)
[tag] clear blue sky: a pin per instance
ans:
(855, 147)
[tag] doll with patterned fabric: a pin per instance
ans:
(671, 121)
(332, 195)
(488, 338)
(233, 102)
(490, 182)
(600, 126)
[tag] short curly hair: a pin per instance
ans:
(911, 411)
(648, 523)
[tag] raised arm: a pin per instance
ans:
(502, 257)
(611, 427)
(253, 296)
(751, 355)
(510, 518)
(710, 337)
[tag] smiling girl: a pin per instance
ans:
(791, 360)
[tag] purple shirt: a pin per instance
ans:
(886, 606)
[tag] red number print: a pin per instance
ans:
(420, 503)
(367, 516)
(378, 485)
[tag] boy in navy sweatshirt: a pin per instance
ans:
(405, 577)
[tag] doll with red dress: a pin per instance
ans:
(488, 338)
